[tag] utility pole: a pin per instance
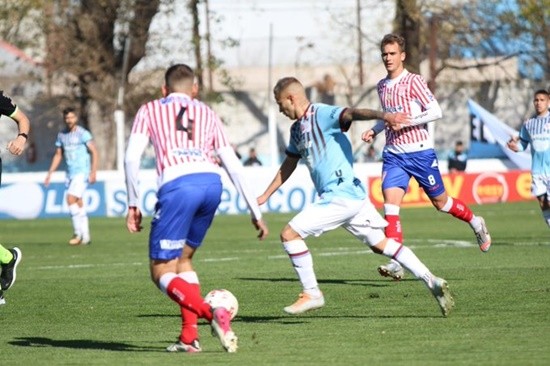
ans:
(432, 54)
(359, 44)
(209, 56)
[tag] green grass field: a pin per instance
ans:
(95, 305)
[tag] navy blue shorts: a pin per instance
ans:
(423, 166)
(183, 213)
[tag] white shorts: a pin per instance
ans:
(540, 185)
(360, 218)
(76, 186)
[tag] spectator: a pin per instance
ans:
(252, 158)
(458, 158)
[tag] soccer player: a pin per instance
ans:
(317, 138)
(536, 132)
(186, 135)
(76, 144)
(409, 149)
(10, 258)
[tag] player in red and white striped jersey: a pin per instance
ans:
(186, 134)
(409, 149)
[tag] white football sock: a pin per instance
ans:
(302, 261)
(74, 210)
(406, 257)
(84, 225)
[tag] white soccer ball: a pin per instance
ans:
(223, 298)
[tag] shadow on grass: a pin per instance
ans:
(80, 344)
(384, 282)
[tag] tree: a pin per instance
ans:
(85, 47)
(408, 20)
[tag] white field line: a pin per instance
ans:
(437, 244)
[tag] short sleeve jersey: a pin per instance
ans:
(318, 139)
(536, 131)
(7, 107)
(75, 150)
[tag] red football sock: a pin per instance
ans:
(393, 230)
(189, 330)
(185, 294)
(461, 211)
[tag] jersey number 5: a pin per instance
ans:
(190, 124)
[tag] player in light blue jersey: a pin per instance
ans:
(317, 138)
(76, 144)
(536, 132)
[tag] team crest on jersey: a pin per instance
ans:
(401, 90)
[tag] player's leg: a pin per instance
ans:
(540, 187)
(395, 181)
(189, 201)
(188, 341)
(425, 169)
(9, 260)
(189, 337)
(75, 191)
(314, 220)
(368, 227)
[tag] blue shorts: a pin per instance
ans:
(423, 166)
(184, 211)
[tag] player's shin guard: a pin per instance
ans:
(185, 295)
(393, 230)
(84, 224)
(407, 259)
(189, 319)
(74, 210)
(302, 261)
(458, 209)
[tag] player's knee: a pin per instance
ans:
(288, 234)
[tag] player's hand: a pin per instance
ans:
(17, 145)
(133, 220)
(262, 199)
(513, 143)
(397, 121)
(92, 178)
(262, 227)
(368, 136)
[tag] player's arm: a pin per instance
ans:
(132, 159)
(17, 145)
(235, 170)
(393, 120)
(94, 157)
(285, 171)
(432, 113)
(520, 142)
(56, 160)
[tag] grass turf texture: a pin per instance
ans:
(95, 305)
